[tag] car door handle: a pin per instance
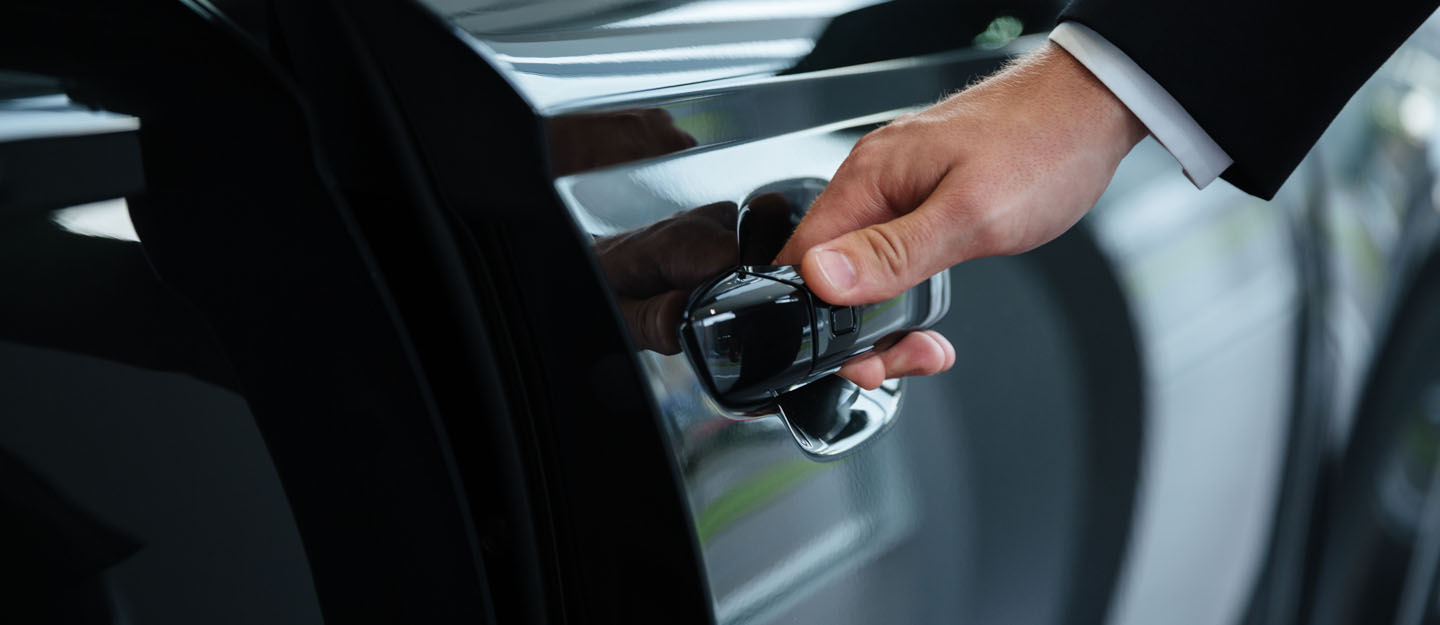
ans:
(758, 337)
(757, 332)
(761, 342)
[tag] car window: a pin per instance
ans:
(134, 484)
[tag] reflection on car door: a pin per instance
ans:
(1003, 491)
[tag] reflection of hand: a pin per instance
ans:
(998, 169)
(592, 140)
(653, 269)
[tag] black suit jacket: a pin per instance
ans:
(1263, 77)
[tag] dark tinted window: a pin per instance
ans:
(134, 484)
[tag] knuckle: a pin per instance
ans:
(903, 120)
(869, 145)
(864, 143)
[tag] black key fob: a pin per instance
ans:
(757, 332)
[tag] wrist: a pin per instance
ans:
(1060, 89)
(1114, 119)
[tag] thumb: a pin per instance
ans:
(849, 202)
(878, 262)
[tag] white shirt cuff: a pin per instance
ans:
(1199, 155)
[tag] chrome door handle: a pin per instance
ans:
(833, 417)
(757, 332)
(757, 336)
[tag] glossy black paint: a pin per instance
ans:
(379, 313)
(587, 436)
(311, 331)
(34, 176)
(399, 496)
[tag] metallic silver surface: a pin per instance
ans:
(849, 416)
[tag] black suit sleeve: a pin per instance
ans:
(1263, 78)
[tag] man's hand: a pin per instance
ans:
(998, 169)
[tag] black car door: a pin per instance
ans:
(539, 130)
(212, 411)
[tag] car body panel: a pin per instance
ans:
(919, 526)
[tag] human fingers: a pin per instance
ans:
(925, 352)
